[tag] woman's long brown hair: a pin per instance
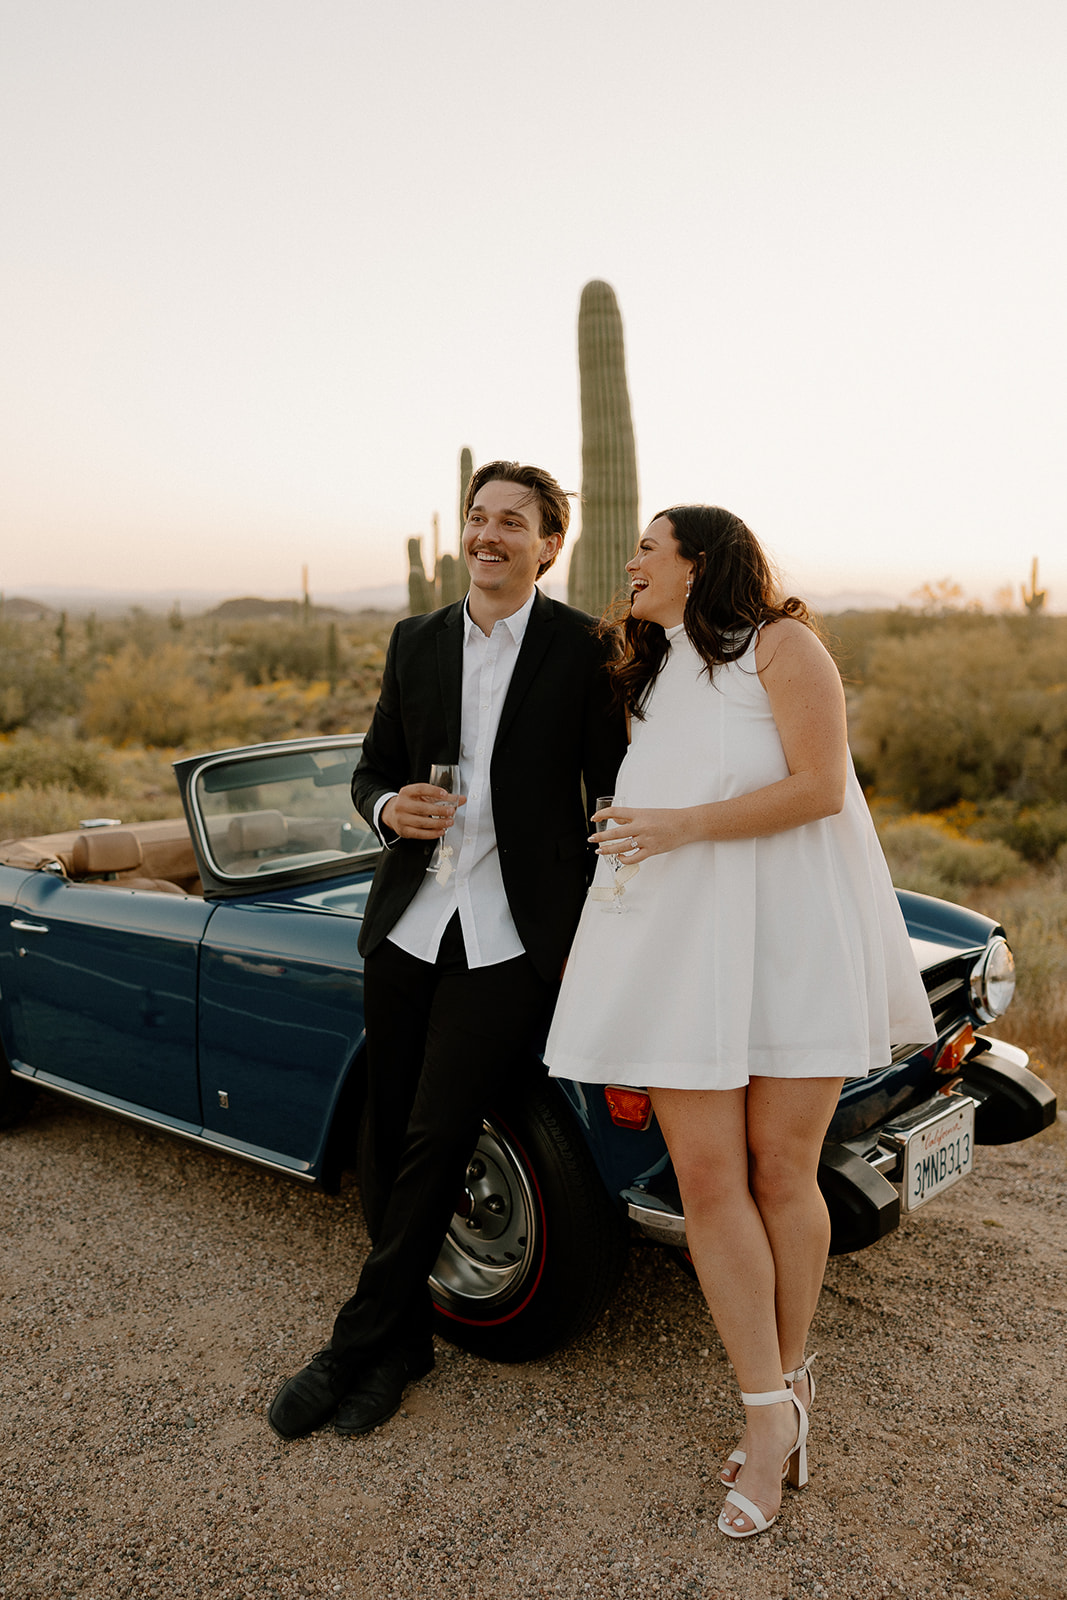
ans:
(735, 590)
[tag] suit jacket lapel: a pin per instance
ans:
(450, 675)
(535, 642)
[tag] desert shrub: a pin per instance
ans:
(968, 862)
(264, 652)
(348, 710)
(1038, 833)
(43, 808)
(927, 854)
(168, 698)
(973, 709)
(288, 710)
(138, 699)
(147, 631)
(853, 637)
(47, 762)
(49, 808)
(135, 785)
(1034, 915)
(36, 684)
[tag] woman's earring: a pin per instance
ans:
(688, 585)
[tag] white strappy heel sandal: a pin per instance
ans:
(794, 1467)
(738, 1456)
(804, 1371)
(791, 1378)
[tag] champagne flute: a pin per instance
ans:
(603, 801)
(445, 774)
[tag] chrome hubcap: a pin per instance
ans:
(486, 1253)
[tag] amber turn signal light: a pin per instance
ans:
(628, 1108)
(955, 1049)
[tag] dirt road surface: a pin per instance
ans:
(155, 1295)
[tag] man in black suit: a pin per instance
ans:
(462, 964)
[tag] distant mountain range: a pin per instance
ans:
(47, 598)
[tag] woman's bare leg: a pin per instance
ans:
(706, 1133)
(787, 1119)
(786, 1123)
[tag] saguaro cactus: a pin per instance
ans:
(333, 657)
(450, 579)
(466, 467)
(453, 577)
(609, 457)
(420, 589)
(1033, 597)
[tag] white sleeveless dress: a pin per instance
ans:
(784, 956)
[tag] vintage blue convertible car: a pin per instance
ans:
(201, 976)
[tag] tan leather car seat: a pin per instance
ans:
(101, 853)
(255, 831)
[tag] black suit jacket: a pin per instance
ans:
(558, 730)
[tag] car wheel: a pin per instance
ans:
(536, 1247)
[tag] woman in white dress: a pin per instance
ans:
(741, 953)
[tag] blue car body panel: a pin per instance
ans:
(281, 1019)
(236, 1019)
(107, 991)
(159, 1004)
(624, 1157)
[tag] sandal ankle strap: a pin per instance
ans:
(801, 1371)
(769, 1397)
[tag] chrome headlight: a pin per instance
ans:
(993, 980)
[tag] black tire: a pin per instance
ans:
(547, 1247)
(15, 1096)
(541, 1248)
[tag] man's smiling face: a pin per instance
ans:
(503, 545)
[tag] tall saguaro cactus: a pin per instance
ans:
(1034, 598)
(609, 456)
(420, 589)
(449, 580)
(466, 467)
(453, 577)
(452, 580)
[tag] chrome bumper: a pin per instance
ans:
(860, 1177)
(655, 1218)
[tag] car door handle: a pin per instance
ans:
(30, 927)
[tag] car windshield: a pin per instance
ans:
(281, 811)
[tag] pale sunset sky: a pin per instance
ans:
(268, 265)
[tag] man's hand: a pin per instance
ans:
(421, 811)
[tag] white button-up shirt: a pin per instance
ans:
(475, 888)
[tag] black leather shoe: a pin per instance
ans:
(377, 1394)
(310, 1397)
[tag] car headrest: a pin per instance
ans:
(258, 830)
(105, 850)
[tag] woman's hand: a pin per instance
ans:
(641, 832)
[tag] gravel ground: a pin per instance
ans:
(155, 1295)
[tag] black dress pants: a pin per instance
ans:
(441, 1038)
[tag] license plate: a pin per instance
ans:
(937, 1152)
